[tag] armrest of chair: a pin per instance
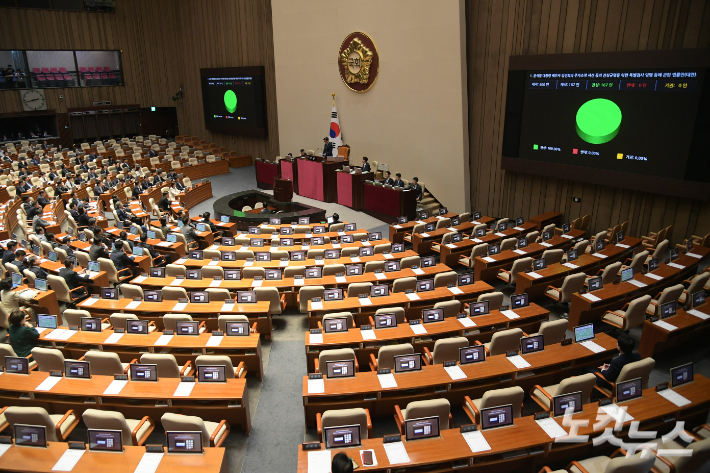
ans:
(556, 289)
(544, 393)
(399, 419)
(369, 424)
(669, 465)
(373, 362)
(134, 360)
(613, 312)
(282, 300)
(316, 363)
(577, 465)
(81, 358)
(428, 357)
(545, 469)
(188, 365)
(372, 321)
(254, 327)
(319, 425)
(320, 325)
(151, 323)
(476, 342)
(470, 409)
(241, 370)
(128, 275)
(134, 434)
(59, 425)
(3, 426)
(80, 288)
(223, 423)
(602, 390)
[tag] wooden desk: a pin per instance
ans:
(227, 228)
(198, 193)
(451, 449)
(398, 231)
(42, 460)
(43, 303)
(555, 274)
(388, 204)
(485, 326)
(690, 329)
(614, 296)
(131, 346)
(175, 249)
(412, 308)
(257, 312)
(294, 247)
(349, 188)
(422, 244)
(211, 401)
(316, 179)
(545, 219)
(550, 366)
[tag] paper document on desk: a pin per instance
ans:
(181, 261)
(319, 461)
(397, 226)
(396, 453)
(214, 247)
(653, 276)
(114, 338)
(387, 255)
(320, 262)
(510, 314)
(40, 330)
(418, 271)
(115, 387)
(425, 235)
(617, 413)
(455, 372)
(590, 345)
(412, 296)
(90, 301)
(476, 441)
(674, 397)
(366, 243)
(341, 279)
(380, 276)
(248, 263)
(467, 322)
(48, 383)
(4, 448)
(316, 386)
(502, 235)
(215, 283)
(214, 341)
(139, 279)
(365, 301)
(599, 255)
(694, 255)
(534, 275)
(213, 263)
(257, 282)
(55, 334)
(418, 329)
(621, 245)
(637, 283)
(184, 389)
(569, 237)
(68, 460)
(519, 362)
(368, 334)
(177, 282)
(591, 297)
(315, 338)
(163, 340)
(545, 244)
(520, 252)
(336, 245)
(699, 314)
(665, 325)
(450, 245)
(570, 265)
(452, 229)
(149, 463)
(476, 240)
(387, 381)
(67, 334)
(676, 265)
(180, 306)
(299, 282)
(455, 290)
(133, 304)
(551, 428)
(355, 259)
(316, 305)
(164, 244)
(488, 259)
(283, 264)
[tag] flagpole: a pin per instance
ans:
(333, 99)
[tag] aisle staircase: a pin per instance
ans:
(428, 202)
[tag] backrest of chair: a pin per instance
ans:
(170, 320)
(292, 271)
(495, 299)
(5, 350)
(638, 369)
(444, 279)
(174, 293)
(508, 244)
(108, 266)
(402, 284)
(131, 291)
(216, 360)
(48, 359)
(212, 272)
(505, 341)
(698, 461)
(108, 420)
(479, 250)
(553, 331)
(636, 312)
(635, 464)
(443, 223)
(340, 315)
(519, 265)
(698, 283)
(223, 319)
(334, 355)
(418, 228)
(167, 364)
(271, 295)
(222, 294)
(397, 311)
(372, 266)
(104, 363)
(572, 283)
(307, 293)
(336, 227)
(447, 349)
(553, 256)
(499, 397)
(181, 423)
(315, 253)
(451, 308)
(549, 228)
(638, 260)
(333, 269)
(251, 272)
(173, 270)
(339, 417)
(671, 293)
(581, 246)
(357, 288)
(610, 272)
(119, 320)
(430, 408)
(386, 354)
(661, 249)
(532, 236)
(584, 383)
(410, 261)
(31, 416)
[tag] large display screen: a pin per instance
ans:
(234, 100)
(639, 128)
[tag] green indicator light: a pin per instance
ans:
(598, 121)
(230, 101)
(534, 146)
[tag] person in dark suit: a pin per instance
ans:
(188, 231)
(19, 260)
(74, 280)
(45, 146)
(9, 254)
(97, 250)
(27, 205)
(611, 371)
(414, 186)
(365, 165)
(42, 198)
(63, 244)
(206, 220)
(36, 270)
(388, 179)
(152, 153)
(164, 202)
(398, 182)
(328, 147)
(120, 259)
(137, 189)
(145, 184)
(83, 220)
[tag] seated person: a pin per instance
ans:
(22, 334)
(74, 280)
(365, 165)
(388, 179)
(611, 371)
(341, 464)
(120, 259)
(398, 182)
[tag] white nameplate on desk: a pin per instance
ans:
(315, 338)
(546, 244)
(213, 263)
(502, 235)
(699, 314)
(114, 338)
(380, 276)
(257, 282)
(248, 263)
(397, 226)
(676, 265)
(534, 275)
(340, 279)
(693, 255)
(139, 279)
(184, 389)
(418, 271)
(163, 340)
(133, 304)
(215, 283)
(412, 296)
(488, 259)
(637, 283)
(621, 245)
(164, 243)
(368, 334)
(450, 245)
(316, 386)
(366, 243)
(336, 245)
(653, 276)
(299, 282)
(387, 255)
(510, 314)
(180, 306)
(569, 237)
(214, 341)
(115, 387)
(176, 282)
(665, 325)
(48, 383)
(570, 265)
(365, 301)
(476, 240)
(599, 255)
(425, 235)
(591, 297)
(455, 290)
(355, 259)
(283, 264)
(520, 252)
(320, 262)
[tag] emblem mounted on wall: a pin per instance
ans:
(358, 62)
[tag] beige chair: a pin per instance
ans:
(350, 252)
(251, 272)
(494, 397)
(418, 228)
(429, 408)
(210, 254)
(219, 294)
(636, 262)
(6, 350)
(315, 253)
(372, 266)
(633, 314)
(410, 261)
(599, 236)
(584, 383)
(519, 265)
(131, 291)
(134, 432)
(571, 284)
(48, 359)
(671, 293)
(636, 464)
(58, 426)
(338, 354)
(105, 363)
(532, 237)
(333, 269)
(451, 308)
(114, 276)
(503, 342)
(223, 319)
(173, 270)
(445, 349)
(340, 417)
(211, 272)
(508, 244)
(73, 317)
(659, 251)
(397, 311)
(174, 293)
(553, 256)
(222, 360)
(698, 460)
(444, 279)
(307, 293)
(694, 285)
(552, 331)
(292, 271)
(167, 365)
(336, 227)
(382, 248)
(609, 273)
(402, 284)
(213, 433)
(276, 300)
(59, 286)
(119, 320)
(386, 354)
(638, 369)
(495, 300)
(357, 288)
(170, 321)
(478, 250)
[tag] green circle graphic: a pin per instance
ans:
(230, 101)
(598, 121)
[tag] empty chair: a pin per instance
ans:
(659, 251)
(131, 291)
(633, 314)
(315, 253)
(635, 464)
(119, 320)
(219, 294)
(58, 426)
(444, 279)
(338, 354)
(599, 236)
(357, 288)
(495, 300)
(222, 360)
(397, 311)
(277, 301)
(636, 262)
(212, 272)
(571, 284)
(105, 363)
(478, 250)
(223, 319)
(696, 284)
(170, 322)
(532, 237)
(73, 317)
(503, 341)
(519, 265)
(508, 244)
(213, 433)
(307, 293)
(584, 383)
(386, 354)
(402, 284)
(637, 369)
(251, 272)
(581, 247)
(671, 293)
(451, 308)
(492, 398)
(6, 350)
(382, 248)
(134, 432)
(410, 261)
(352, 251)
(336, 227)
(339, 315)
(333, 269)
(48, 359)
(418, 228)
(340, 417)
(174, 293)
(418, 409)
(553, 331)
(609, 272)
(372, 266)
(698, 460)
(167, 365)
(553, 256)
(292, 271)
(445, 349)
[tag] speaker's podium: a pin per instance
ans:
(266, 172)
(316, 178)
(283, 190)
(350, 187)
(388, 203)
(289, 170)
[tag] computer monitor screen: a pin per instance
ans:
(286, 231)
(258, 242)
(335, 294)
(392, 266)
(342, 437)
(594, 284)
(185, 327)
(286, 242)
(134, 230)
(137, 327)
(455, 221)
(564, 401)
(385, 320)
(171, 238)
(583, 333)
(565, 228)
(472, 354)
(90, 324)
(94, 266)
(522, 242)
(246, 297)
(668, 309)
(652, 264)
(425, 285)
(367, 251)
(77, 369)
(318, 229)
(237, 329)
(681, 375)
(443, 211)
(228, 255)
(332, 254)
(495, 417)
(502, 226)
(519, 301)
(272, 274)
(422, 428)
(397, 247)
(432, 315)
(199, 297)
(336, 324)
(628, 390)
(329, 220)
(493, 249)
(350, 227)
(340, 369)
(184, 442)
(405, 363)
(465, 279)
(232, 274)
(480, 232)
(456, 237)
(30, 435)
(315, 272)
(423, 215)
(626, 274)
(353, 269)
(193, 274)
(698, 298)
(262, 256)
(429, 227)
(157, 272)
(619, 237)
(318, 241)
(674, 254)
(546, 236)
(52, 256)
(142, 372)
(478, 308)
(155, 295)
(539, 264)
(17, 365)
(105, 440)
(109, 293)
(402, 220)
(379, 290)
(196, 254)
(228, 241)
(428, 261)
(532, 344)
(374, 236)
(212, 374)
(274, 221)
(16, 280)
(150, 234)
(224, 219)
(572, 255)
(304, 220)
(253, 230)
(599, 245)
(347, 239)
(46, 321)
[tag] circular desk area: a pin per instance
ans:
(289, 212)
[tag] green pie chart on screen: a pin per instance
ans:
(598, 121)
(230, 101)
